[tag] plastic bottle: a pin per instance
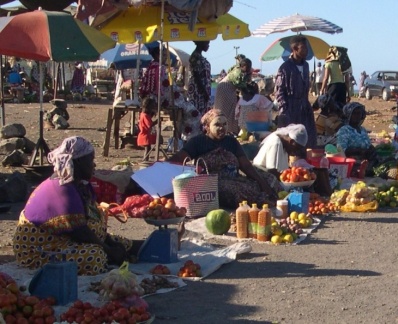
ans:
(264, 219)
(253, 221)
(283, 206)
(324, 163)
(242, 220)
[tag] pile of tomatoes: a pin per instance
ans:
(297, 174)
(321, 206)
(114, 311)
(19, 308)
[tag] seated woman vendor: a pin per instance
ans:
(62, 215)
(275, 148)
(224, 155)
(355, 142)
(329, 120)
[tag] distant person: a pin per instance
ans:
(319, 74)
(292, 87)
(147, 136)
(251, 101)
(226, 98)
(150, 81)
(335, 82)
(199, 89)
(361, 84)
(14, 78)
(223, 74)
(77, 84)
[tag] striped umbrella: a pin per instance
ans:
(297, 23)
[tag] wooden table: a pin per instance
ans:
(115, 114)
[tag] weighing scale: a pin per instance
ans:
(162, 245)
(297, 199)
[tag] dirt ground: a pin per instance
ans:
(344, 272)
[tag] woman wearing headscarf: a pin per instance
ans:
(199, 88)
(353, 138)
(226, 99)
(224, 156)
(335, 82)
(61, 215)
(275, 148)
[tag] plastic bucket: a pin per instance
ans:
(343, 165)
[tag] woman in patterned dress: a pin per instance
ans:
(224, 156)
(226, 97)
(61, 215)
(199, 89)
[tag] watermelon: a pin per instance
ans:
(218, 221)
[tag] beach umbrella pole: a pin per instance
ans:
(41, 147)
(2, 113)
(160, 83)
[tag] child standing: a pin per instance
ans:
(146, 136)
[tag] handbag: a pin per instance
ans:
(198, 194)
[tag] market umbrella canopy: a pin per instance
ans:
(125, 56)
(297, 23)
(281, 49)
(143, 25)
(42, 36)
(46, 35)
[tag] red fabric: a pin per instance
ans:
(145, 125)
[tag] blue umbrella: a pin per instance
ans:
(125, 56)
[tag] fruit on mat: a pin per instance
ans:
(160, 269)
(218, 221)
(190, 269)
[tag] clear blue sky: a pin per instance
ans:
(369, 29)
(368, 32)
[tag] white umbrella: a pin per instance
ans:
(297, 23)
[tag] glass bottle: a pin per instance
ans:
(324, 163)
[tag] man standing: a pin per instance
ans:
(319, 73)
(292, 87)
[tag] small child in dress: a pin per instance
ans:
(147, 135)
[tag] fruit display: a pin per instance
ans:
(360, 194)
(339, 197)
(163, 208)
(160, 269)
(218, 222)
(119, 283)
(151, 285)
(190, 269)
(287, 230)
(297, 174)
(111, 312)
(387, 197)
(133, 206)
(321, 206)
(16, 307)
